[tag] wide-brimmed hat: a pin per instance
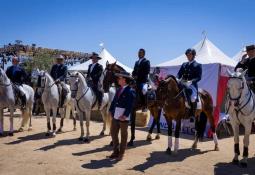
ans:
(60, 57)
(249, 48)
(125, 75)
(95, 54)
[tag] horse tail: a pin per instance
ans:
(207, 108)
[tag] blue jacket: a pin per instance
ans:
(96, 73)
(59, 72)
(16, 74)
(125, 100)
(191, 72)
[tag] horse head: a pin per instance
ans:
(167, 88)
(74, 82)
(109, 75)
(236, 85)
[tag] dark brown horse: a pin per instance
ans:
(170, 97)
(109, 80)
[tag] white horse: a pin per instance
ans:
(241, 109)
(50, 99)
(85, 99)
(7, 100)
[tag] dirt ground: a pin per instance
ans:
(31, 153)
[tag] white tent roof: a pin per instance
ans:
(106, 56)
(207, 53)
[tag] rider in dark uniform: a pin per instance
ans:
(189, 75)
(94, 73)
(248, 63)
(59, 73)
(18, 76)
(140, 74)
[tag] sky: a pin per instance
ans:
(164, 28)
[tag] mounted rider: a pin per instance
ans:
(94, 73)
(248, 63)
(58, 73)
(18, 76)
(140, 74)
(189, 75)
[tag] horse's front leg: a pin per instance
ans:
(62, 114)
(177, 135)
(47, 111)
(246, 140)
(132, 120)
(11, 121)
(81, 116)
(1, 122)
(170, 142)
(104, 116)
(235, 127)
(87, 113)
(54, 118)
(154, 115)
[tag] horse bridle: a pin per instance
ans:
(239, 97)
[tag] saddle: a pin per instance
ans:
(17, 95)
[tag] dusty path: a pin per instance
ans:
(31, 153)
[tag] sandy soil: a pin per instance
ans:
(31, 153)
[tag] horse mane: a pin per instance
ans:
(171, 76)
(49, 76)
(81, 77)
(121, 68)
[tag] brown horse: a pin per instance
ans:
(109, 79)
(169, 95)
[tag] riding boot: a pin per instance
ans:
(100, 99)
(193, 109)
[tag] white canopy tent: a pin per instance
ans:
(239, 55)
(106, 56)
(214, 64)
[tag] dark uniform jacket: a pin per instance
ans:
(125, 100)
(96, 73)
(141, 71)
(248, 64)
(59, 71)
(191, 72)
(16, 74)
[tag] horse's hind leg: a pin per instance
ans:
(158, 125)
(246, 140)
(154, 115)
(1, 122)
(54, 118)
(62, 114)
(30, 119)
(104, 116)
(11, 121)
(132, 120)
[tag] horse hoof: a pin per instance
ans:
(80, 139)
(111, 143)
(59, 130)
(54, 134)
(74, 129)
(194, 146)
(157, 137)
(168, 151)
(21, 130)
(30, 129)
(47, 134)
(243, 164)
(216, 148)
(148, 138)
(102, 133)
(235, 162)
(130, 143)
(86, 140)
(10, 134)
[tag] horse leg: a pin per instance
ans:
(74, 120)
(177, 135)
(48, 122)
(235, 127)
(149, 138)
(25, 118)
(62, 114)
(30, 119)
(158, 125)
(54, 118)
(1, 122)
(11, 121)
(170, 142)
(103, 113)
(246, 141)
(81, 125)
(132, 120)
(87, 126)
